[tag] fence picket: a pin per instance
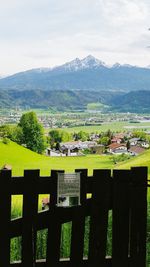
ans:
(120, 229)
(54, 228)
(99, 217)
(78, 224)
(138, 217)
(5, 216)
(30, 207)
(125, 194)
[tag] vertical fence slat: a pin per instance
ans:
(30, 206)
(5, 216)
(78, 224)
(138, 216)
(54, 229)
(120, 230)
(99, 217)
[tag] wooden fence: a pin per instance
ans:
(124, 192)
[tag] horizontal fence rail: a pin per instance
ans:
(122, 193)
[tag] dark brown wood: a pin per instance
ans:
(30, 206)
(5, 215)
(126, 194)
(138, 217)
(120, 212)
(78, 224)
(99, 217)
(54, 227)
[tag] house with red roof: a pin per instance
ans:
(115, 148)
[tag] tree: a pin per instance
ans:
(105, 140)
(83, 136)
(58, 136)
(12, 132)
(33, 133)
(4, 131)
(109, 134)
(139, 134)
(128, 145)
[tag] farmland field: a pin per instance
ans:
(113, 126)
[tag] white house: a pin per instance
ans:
(134, 141)
(115, 148)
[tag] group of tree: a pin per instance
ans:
(28, 132)
(105, 138)
(81, 135)
(142, 135)
(58, 136)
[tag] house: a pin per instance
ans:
(97, 149)
(117, 148)
(54, 153)
(134, 141)
(94, 137)
(116, 140)
(136, 150)
(144, 144)
(75, 146)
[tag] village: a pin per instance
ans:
(116, 144)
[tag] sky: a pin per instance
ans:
(46, 33)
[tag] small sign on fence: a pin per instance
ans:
(68, 189)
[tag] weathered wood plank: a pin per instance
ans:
(78, 224)
(54, 227)
(5, 216)
(120, 212)
(138, 217)
(30, 206)
(99, 217)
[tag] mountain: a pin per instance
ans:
(82, 74)
(64, 100)
(138, 101)
(55, 99)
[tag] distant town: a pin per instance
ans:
(77, 119)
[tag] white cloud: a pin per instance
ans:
(48, 32)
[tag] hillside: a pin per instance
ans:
(138, 101)
(21, 158)
(84, 74)
(141, 160)
(57, 100)
(62, 100)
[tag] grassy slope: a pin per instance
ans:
(21, 158)
(141, 160)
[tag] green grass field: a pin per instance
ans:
(113, 126)
(141, 160)
(21, 158)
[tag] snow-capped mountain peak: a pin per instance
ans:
(91, 61)
(88, 62)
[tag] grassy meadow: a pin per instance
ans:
(21, 158)
(114, 126)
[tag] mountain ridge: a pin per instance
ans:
(72, 100)
(88, 73)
